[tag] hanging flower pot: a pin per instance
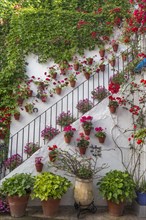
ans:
(115, 47)
(87, 75)
(101, 139)
(112, 109)
(102, 52)
(112, 62)
(63, 71)
(30, 92)
(72, 83)
(89, 61)
(39, 167)
(44, 98)
(52, 157)
(67, 139)
(17, 116)
(124, 57)
(102, 67)
(20, 101)
(58, 90)
(87, 132)
(82, 150)
(54, 75)
(76, 66)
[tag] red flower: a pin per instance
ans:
(139, 141)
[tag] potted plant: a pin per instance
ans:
(102, 65)
(84, 169)
(87, 70)
(82, 143)
(112, 60)
(49, 188)
(100, 134)
(89, 60)
(58, 86)
(43, 96)
(117, 187)
(100, 93)
(38, 164)
(12, 162)
(115, 45)
(101, 50)
(17, 189)
(113, 104)
(52, 72)
(49, 132)
(16, 114)
(76, 64)
(141, 192)
(86, 124)
(72, 79)
(29, 107)
(69, 132)
(53, 152)
(84, 105)
(65, 118)
(30, 148)
(64, 66)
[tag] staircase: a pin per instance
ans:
(32, 131)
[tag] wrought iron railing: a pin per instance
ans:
(32, 131)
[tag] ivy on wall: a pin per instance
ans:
(54, 29)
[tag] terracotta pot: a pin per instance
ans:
(126, 39)
(67, 139)
(87, 75)
(39, 167)
(72, 83)
(83, 191)
(102, 67)
(76, 66)
(58, 91)
(30, 93)
(50, 207)
(52, 157)
(124, 57)
(53, 76)
(44, 98)
(18, 205)
(20, 101)
(112, 62)
(87, 132)
(82, 150)
(112, 109)
(102, 53)
(17, 116)
(101, 139)
(115, 209)
(90, 61)
(115, 47)
(63, 71)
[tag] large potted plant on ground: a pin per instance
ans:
(49, 188)
(84, 170)
(117, 187)
(17, 189)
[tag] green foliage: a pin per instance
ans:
(49, 185)
(117, 186)
(19, 184)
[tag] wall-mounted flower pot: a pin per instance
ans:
(63, 71)
(102, 53)
(53, 76)
(112, 62)
(90, 61)
(87, 132)
(58, 90)
(72, 83)
(44, 98)
(101, 139)
(115, 47)
(17, 116)
(39, 167)
(76, 66)
(20, 101)
(102, 67)
(124, 57)
(67, 139)
(112, 109)
(82, 150)
(30, 93)
(87, 75)
(52, 157)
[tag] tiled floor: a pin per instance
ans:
(69, 213)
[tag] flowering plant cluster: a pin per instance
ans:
(31, 148)
(65, 118)
(12, 162)
(53, 150)
(118, 78)
(113, 87)
(52, 70)
(113, 102)
(69, 131)
(72, 77)
(140, 135)
(38, 160)
(84, 105)
(4, 206)
(49, 132)
(83, 140)
(100, 93)
(86, 122)
(100, 132)
(60, 84)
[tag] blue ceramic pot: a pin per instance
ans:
(141, 198)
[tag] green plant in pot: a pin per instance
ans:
(117, 187)
(49, 188)
(17, 189)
